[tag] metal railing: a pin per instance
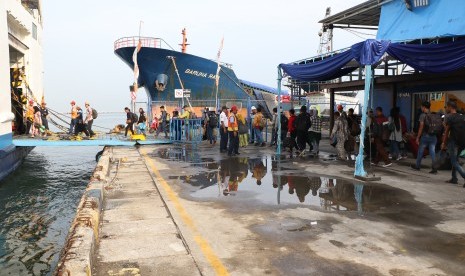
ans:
(186, 130)
(147, 42)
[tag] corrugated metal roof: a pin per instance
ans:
(364, 14)
(263, 87)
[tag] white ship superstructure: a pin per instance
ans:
(21, 71)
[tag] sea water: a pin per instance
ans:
(38, 203)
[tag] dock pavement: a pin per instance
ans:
(184, 210)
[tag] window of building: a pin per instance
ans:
(34, 31)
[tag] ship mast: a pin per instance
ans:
(326, 36)
(184, 41)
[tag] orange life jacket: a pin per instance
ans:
(234, 126)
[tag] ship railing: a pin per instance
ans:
(147, 42)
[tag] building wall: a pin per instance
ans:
(21, 24)
(5, 102)
(382, 96)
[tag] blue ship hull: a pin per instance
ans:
(196, 73)
(11, 156)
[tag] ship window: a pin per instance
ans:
(34, 31)
(421, 3)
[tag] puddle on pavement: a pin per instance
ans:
(259, 181)
(184, 154)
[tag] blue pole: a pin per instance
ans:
(278, 138)
(359, 170)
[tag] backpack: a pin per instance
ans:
(212, 120)
(355, 129)
(433, 123)
(167, 117)
(94, 114)
(302, 122)
(284, 122)
(457, 130)
(134, 118)
(262, 122)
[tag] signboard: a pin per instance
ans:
(179, 93)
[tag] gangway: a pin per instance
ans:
(106, 140)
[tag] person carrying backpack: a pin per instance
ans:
(427, 136)
(89, 119)
(163, 122)
(302, 124)
(211, 125)
(258, 127)
(315, 131)
(452, 140)
(129, 121)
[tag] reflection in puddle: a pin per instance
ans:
(260, 179)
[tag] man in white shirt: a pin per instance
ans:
(224, 129)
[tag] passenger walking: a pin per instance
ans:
(74, 115)
(354, 130)
(426, 137)
(243, 131)
(186, 115)
(130, 120)
(233, 131)
(224, 129)
(340, 133)
(451, 140)
(212, 126)
(175, 126)
(37, 122)
(80, 125)
(29, 117)
(284, 126)
(395, 127)
(44, 114)
(89, 119)
(291, 133)
(142, 122)
(163, 122)
(258, 125)
(315, 131)
(274, 127)
(302, 124)
(378, 125)
(253, 111)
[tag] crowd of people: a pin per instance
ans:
(82, 122)
(386, 139)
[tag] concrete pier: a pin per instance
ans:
(138, 234)
(183, 210)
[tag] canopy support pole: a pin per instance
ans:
(331, 109)
(360, 172)
(278, 138)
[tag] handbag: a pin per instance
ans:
(334, 141)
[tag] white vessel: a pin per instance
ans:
(21, 72)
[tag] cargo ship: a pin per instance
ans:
(162, 70)
(21, 73)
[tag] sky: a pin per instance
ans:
(80, 65)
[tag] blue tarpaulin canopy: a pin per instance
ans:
(425, 19)
(430, 58)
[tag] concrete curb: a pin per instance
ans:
(77, 253)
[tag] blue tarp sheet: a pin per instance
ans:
(431, 58)
(441, 18)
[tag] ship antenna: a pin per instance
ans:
(184, 41)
